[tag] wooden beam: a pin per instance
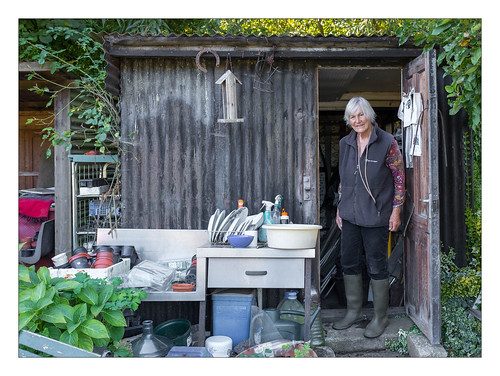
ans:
(33, 66)
(62, 178)
(376, 99)
(340, 105)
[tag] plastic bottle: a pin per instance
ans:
(290, 303)
(284, 220)
(276, 213)
(267, 221)
(240, 203)
(317, 332)
(191, 272)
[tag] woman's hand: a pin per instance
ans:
(339, 220)
(394, 220)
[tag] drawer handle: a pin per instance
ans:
(251, 272)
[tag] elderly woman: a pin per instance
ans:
(372, 187)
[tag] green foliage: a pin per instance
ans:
(401, 345)
(460, 282)
(308, 26)
(67, 45)
(82, 312)
(459, 44)
(461, 334)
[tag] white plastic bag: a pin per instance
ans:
(150, 274)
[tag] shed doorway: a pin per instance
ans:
(381, 86)
(420, 293)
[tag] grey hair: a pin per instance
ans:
(359, 103)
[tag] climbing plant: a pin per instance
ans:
(459, 46)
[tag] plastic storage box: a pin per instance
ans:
(188, 352)
(114, 270)
(231, 312)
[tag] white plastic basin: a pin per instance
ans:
(292, 236)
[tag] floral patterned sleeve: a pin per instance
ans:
(394, 160)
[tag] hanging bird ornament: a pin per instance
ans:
(229, 103)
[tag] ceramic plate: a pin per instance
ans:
(232, 228)
(245, 225)
(257, 220)
(227, 222)
(237, 231)
(242, 214)
(211, 224)
(218, 222)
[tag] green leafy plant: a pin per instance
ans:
(458, 282)
(300, 350)
(461, 332)
(459, 45)
(401, 345)
(83, 311)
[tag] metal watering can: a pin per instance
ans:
(280, 328)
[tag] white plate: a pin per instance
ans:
(246, 224)
(242, 214)
(231, 229)
(257, 220)
(211, 224)
(238, 228)
(227, 222)
(218, 222)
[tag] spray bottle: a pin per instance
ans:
(276, 214)
(267, 221)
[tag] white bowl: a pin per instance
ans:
(292, 236)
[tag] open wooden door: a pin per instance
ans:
(422, 245)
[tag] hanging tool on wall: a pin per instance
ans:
(264, 70)
(206, 50)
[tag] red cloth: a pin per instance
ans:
(34, 208)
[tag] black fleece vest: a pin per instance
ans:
(356, 205)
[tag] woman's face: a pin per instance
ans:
(360, 123)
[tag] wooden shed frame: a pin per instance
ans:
(424, 302)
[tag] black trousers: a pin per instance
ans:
(373, 240)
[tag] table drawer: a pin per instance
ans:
(256, 273)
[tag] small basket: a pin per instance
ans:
(100, 209)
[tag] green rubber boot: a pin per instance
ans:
(354, 296)
(380, 320)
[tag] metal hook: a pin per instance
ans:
(217, 60)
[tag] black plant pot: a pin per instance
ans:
(116, 255)
(79, 261)
(103, 248)
(128, 251)
(79, 250)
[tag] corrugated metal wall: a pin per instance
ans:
(181, 164)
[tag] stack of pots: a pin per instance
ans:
(102, 256)
(79, 259)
